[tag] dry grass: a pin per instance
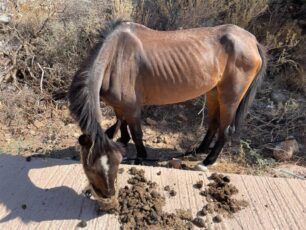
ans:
(47, 40)
(186, 14)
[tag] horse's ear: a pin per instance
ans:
(85, 140)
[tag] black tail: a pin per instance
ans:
(250, 94)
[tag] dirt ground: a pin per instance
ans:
(168, 132)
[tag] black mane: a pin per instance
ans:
(84, 98)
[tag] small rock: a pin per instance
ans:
(157, 140)
(5, 19)
(284, 150)
(82, 224)
(158, 173)
(175, 163)
(38, 124)
(199, 222)
(120, 170)
(32, 132)
(24, 206)
(182, 117)
(217, 219)
(151, 121)
(166, 140)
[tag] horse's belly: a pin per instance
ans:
(167, 93)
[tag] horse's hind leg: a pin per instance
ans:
(213, 116)
(229, 98)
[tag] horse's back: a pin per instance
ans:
(174, 66)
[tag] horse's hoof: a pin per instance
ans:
(123, 143)
(87, 191)
(201, 167)
(138, 161)
(128, 161)
(209, 162)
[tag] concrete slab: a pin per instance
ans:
(51, 190)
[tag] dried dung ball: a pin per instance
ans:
(155, 194)
(217, 219)
(167, 188)
(82, 224)
(226, 179)
(199, 222)
(199, 184)
(172, 192)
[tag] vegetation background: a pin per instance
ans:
(43, 42)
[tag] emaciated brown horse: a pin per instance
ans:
(136, 66)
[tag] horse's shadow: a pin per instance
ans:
(21, 198)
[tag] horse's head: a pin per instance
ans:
(102, 171)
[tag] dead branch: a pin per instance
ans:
(41, 78)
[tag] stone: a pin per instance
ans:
(32, 132)
(285, 150)
(175, 163)
(278, 97)
(151, 122)
(5, 19)
(38, 124)
(217, 219)
(199, 222)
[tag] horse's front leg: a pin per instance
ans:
(136, 132)
(112, 131)
(125, 136)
